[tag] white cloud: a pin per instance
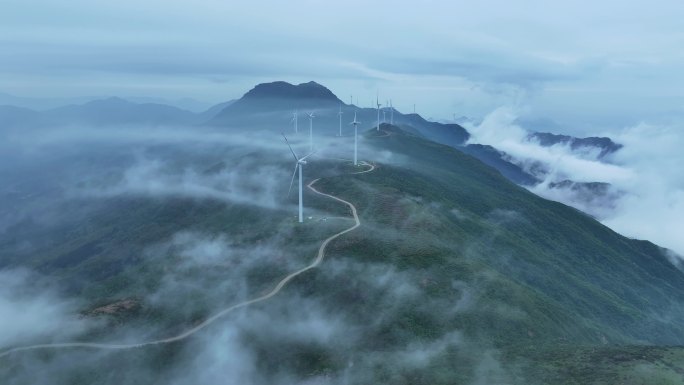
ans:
(241, 183)
(654, 207)
(32, 309)
(646, 200)
(499, 129)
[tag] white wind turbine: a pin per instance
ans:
(295, 114)
(356, 140)
(391, 113)
(298, 165)
(311, 117)
(387, 107)
(377, 102)
(340, 114)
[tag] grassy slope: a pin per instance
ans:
(547, 277)
(556, 250)
(556, 296)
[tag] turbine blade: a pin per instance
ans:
(355, 121)
(291, 150)
(311, 153)
(292, 181)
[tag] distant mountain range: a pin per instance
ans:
(48, 103)
(606, 146)
(271, 106)
(105, 112)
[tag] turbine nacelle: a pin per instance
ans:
(355, 122)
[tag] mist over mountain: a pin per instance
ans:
(341, 193)
(135, 223)
(105, 112)
(501, 162)
(267, 103)
(40, 104)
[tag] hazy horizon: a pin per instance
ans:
(590, 68)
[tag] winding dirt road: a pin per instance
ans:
(212, 319)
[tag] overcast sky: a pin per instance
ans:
(587, 64)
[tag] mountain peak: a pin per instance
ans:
(281, 89)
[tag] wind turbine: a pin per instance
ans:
(391, 113)
(311, 116)
(387, 106)
(377, 102)
(294, 120)
(356, 140)
(299, 162)
(340, 114)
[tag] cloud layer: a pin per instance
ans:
(645, 199)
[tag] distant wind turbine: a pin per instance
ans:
(387, 106)
(311, 117)
(377, 102)
(299, 162)
(391, 113)
(356, 140)
(340, 114)
(295, 114)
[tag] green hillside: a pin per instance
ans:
(456, 276)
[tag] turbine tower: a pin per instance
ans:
(299, 162)
(340, 114)
(311, 116)
(377, 102)
(356, 140)
(294, 120)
